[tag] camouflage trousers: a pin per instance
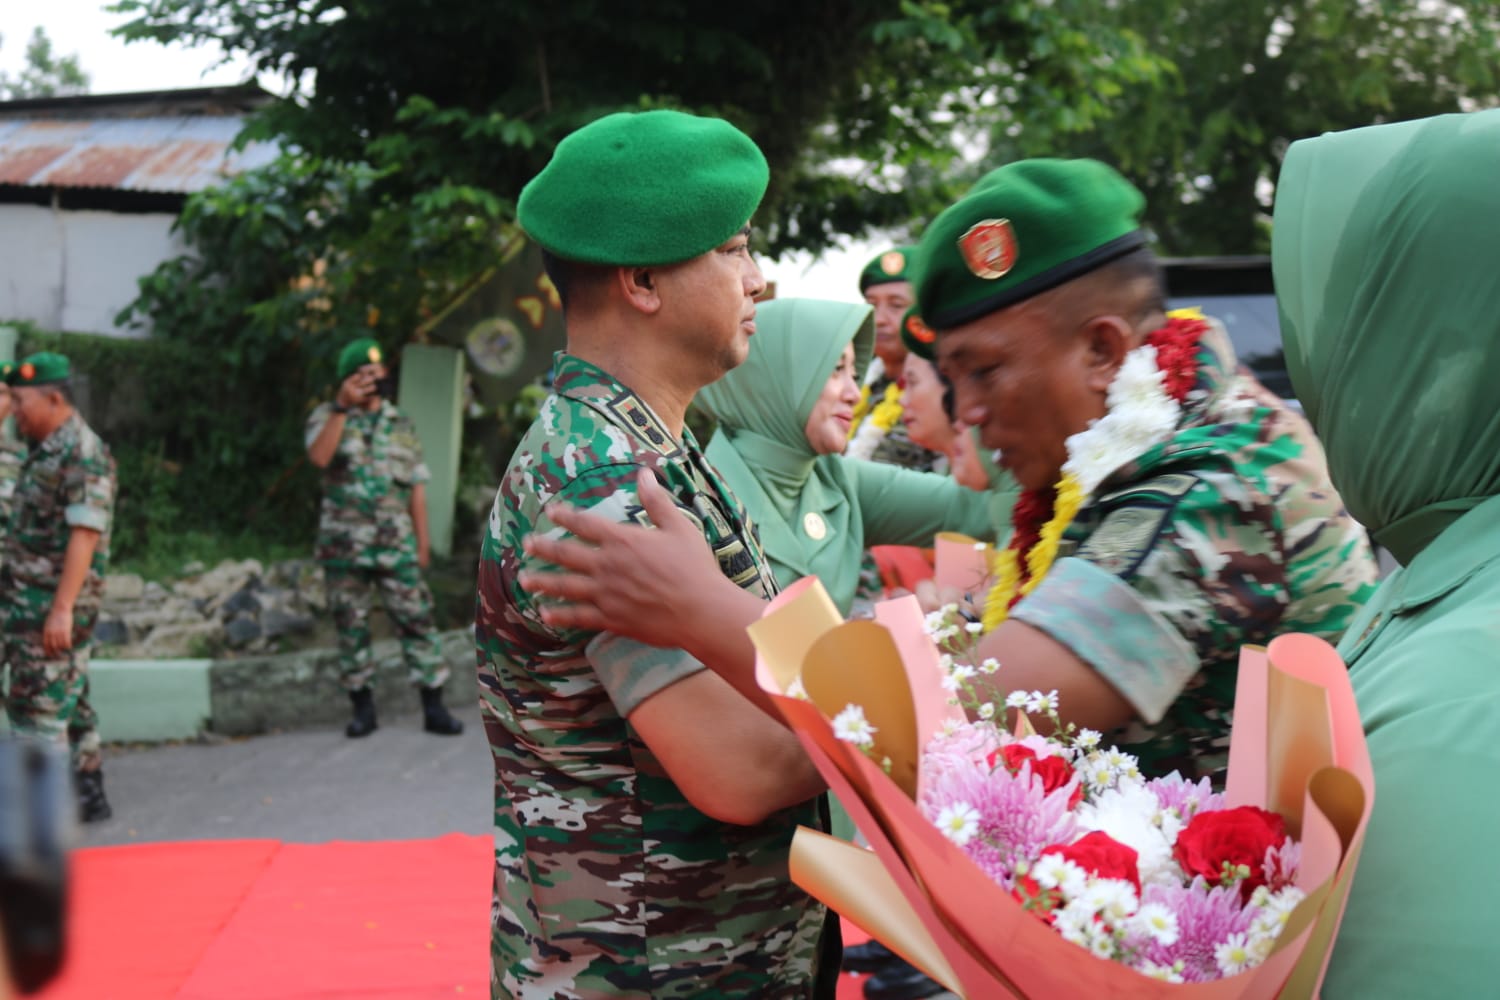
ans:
(407, 602)
(49, 696)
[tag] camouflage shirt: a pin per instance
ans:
(66, 482)
(608, 881)
(1227, 534)
(365, 518)
(12, 456)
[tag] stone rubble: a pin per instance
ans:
(233, 609)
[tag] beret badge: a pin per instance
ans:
(893, 262)
(989, 248)
(919, 331)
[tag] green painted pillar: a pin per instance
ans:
(431, 393)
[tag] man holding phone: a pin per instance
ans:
(372, 533)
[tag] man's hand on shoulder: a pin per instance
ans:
(648, 583)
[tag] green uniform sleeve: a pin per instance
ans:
(315, 421)
(89, 491)
(630, 671)
(903, 507)
(406, 452)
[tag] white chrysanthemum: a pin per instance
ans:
(949, 728)
(1017, 699)
(851, 726)
(1157, 922)
(973, 628)
(989, 665)
(959, 822)
(1127, 812)
(1087, 739)
(1233, 955)
(1092, 455)
(987, 711)
(1141, 415)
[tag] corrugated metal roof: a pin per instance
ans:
(174, 154)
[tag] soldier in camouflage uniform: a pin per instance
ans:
(1038, 285)
(644, 810)
(12, 453)
(1225, 532)
(56, 545)
(878, 433)
(372, 535)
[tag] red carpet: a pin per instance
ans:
(263, 920)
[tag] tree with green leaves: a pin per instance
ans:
(1252, 76)
(45, 74)
(412, 127)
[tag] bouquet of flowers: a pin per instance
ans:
(1005, 862)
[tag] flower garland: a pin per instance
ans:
(1144, 404)
(865, 434)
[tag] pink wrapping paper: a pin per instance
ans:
(1297, 747)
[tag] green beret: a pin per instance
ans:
(893, 265)
(356, 354)
(1024, 228)
(636, 189)
(918, 337)
(42, 368)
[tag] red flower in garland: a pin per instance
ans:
(1177, 354)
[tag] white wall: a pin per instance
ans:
(74, 271)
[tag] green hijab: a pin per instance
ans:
(1382, 251)
(761, 446)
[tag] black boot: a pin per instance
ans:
(435, 718)
(900, 980)
(872, 956)
(92, 805)
(363, 723)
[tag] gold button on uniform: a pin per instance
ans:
(812, 523)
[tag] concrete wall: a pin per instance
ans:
(75, 270)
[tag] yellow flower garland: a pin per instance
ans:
(886, 414)
(1006, 565)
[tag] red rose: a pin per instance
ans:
(1055, 772)
(1102, 855)
(1097, 853)
(1238, 838)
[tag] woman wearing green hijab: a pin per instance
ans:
(1384, 250)
(783, 421)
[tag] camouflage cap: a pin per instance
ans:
(918, 337)
(636, 189)
(41, 368)
(1024, 228)
(893, 265)
(358, 353)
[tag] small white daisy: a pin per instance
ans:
(959, 822)
(851, 726)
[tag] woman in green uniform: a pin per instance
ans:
(1384, 246)
(783, 420)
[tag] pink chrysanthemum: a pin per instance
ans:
(1205, 918)
(1186, 798)
(1017, 817)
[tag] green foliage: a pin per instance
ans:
(1251, 77)
(45, 74)
(195, 451)
(413, 127)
